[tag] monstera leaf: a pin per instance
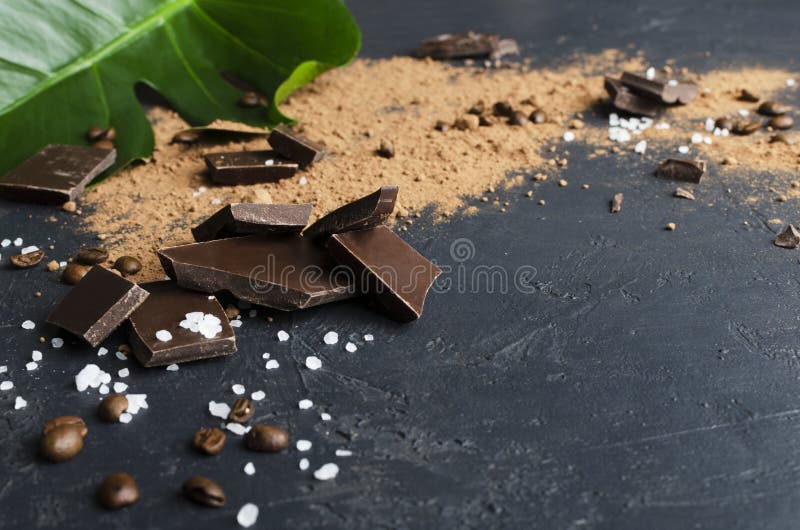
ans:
(68, 65)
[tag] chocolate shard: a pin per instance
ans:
(666, 91)
(56, 174)
(239, 219)
(248, 167)
(295, 146)
(788, 238)
(281, 271)
(626, 101)
(197, 325)
(360, 214)
(97, 305)
(681, 169)
(449, 46)
(387, 268)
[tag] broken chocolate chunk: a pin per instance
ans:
(683, 193)
(197, 325)
(239, 219)
(295, 146)
(666, 91)
(449, 46)
(97, 305)
(281, 271)
(616, 203)
(681, 169)
(56, 174)
(388, 269)
(626, 101)
(248, 167)
(746, 95)
(788, 238)
(365, 212)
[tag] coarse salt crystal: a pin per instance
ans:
(790, 82)
(36, 355)
(124, 372)
(331, 337)
(326, 472)
(303, 181)
(662, 126)
(683, 149)
(325, 416)
(5, 243)
(6, 385)
(28, 250)
(28, 324)
(173, 368)
(104, 389)
(31, 366)
(119, 388)
(3, 369)
(344, 453)
(368, 337)
(20, 403)
(219, 410)
(57, 342)
(237, 428)
(238, 389)
(236, 323)
(269, 162)
(707, 140)
(672, 82)
(265, 356)
(272, 364)
(650, 73)
(313, 362)
(305, 404)
(216, 202)
(697, 138)
(710, 124)
(102, 351)
(136, 402)
(248, 515)
(283, 336)
(163, 335)
(249, 468)
(350, 347)
(569, 136)
(744, 112)
(303, 445)
(18, 242)
(125, 417)
(640, 147)
(258, 395)
(303, 464)
(87, 377)
(121, 356)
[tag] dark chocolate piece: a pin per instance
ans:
(178, 311)
(282, 271)
(626, 101)
(248, 167)
(667, 91)
(387, 268)
(788, 238)
(97, 305)
(681, 169)
(295, 146)
(56, 174)
(241, 219)
(363, 213)
(458, 46)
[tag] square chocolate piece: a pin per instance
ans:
(56, 174)
(195, 324)
(248, 167)
(240, 219)
(97, 305)
(295, 146)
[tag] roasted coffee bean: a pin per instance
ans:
(477, 109)
(266, 439)
(724, 123)
(772, 108)
(745, 127)
(112, 407)
(62, 438)
(503, 109)
(66, 421)
(538, 116)
(781, 123)
(518, 118)
(442, 126)
(386, 150)
(780, 138)
(128, 265)
(209, 441)
(95, 133)
(104, 144)
(117, 491)
(241, 411)
(746, 95)
(23, 261)
(204, 491)
(73, 273)
(91, 255)
(249, 99)
(185, 137)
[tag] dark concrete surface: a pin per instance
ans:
(633, 378)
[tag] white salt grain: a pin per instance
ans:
(303, 445)
(744, 112)
(219, 410)
(236, 323)
(305, 404)
(104, 389)
(249, 468)
(18, 242)
(28, 250)
(173, 368)
(790, 82)
(272, 364)
(57, 342)
(237, 428)
(327, 472)
(368, 337)
(304, 463)
(136, 402)
(121, 356)
(87, 377)
(6, 385)
(683, 149)
(650, 73)
(331, 337)
(125, 417)
(5, 243)
(28, 324)
(36, 355)
(208, 325)
(325, 416)
(31, 366)
(20, 403)
(119, 388)
(313, 362)
(283, 336)
(350, 347)
(343, 453)
(124, 372)
(265, 356)
(710, 124)
(569, 136)
(697, 138)
(3, 369)
(303, 181)
(163, 335)
(258, 395)
(248, 515)
(238, 389)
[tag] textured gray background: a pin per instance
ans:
(649, 381)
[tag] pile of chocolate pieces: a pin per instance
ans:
(264, 254)
(646, 95)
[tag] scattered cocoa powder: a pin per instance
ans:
(400, 100)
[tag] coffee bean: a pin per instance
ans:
(23, 261)
(209, 441)
(128, 265)
(477, 109)
(117, 491)
(772, 108)
(386, 150)
(104, 144)
(91, 255)
(746, 95)
(724, 123)
(204, 491)
(249, 99)
(95, 133)
(503, 109)
(66, 421)
(518, 118)
(241, 411)
(73, 273)
(745, 127)
(112, 407)
(538, 116)
(185, 137)
(62, 438)
(781, 123)
(266, 439)
(442, 126)
(780, 138)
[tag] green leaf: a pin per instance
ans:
(68, 65)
